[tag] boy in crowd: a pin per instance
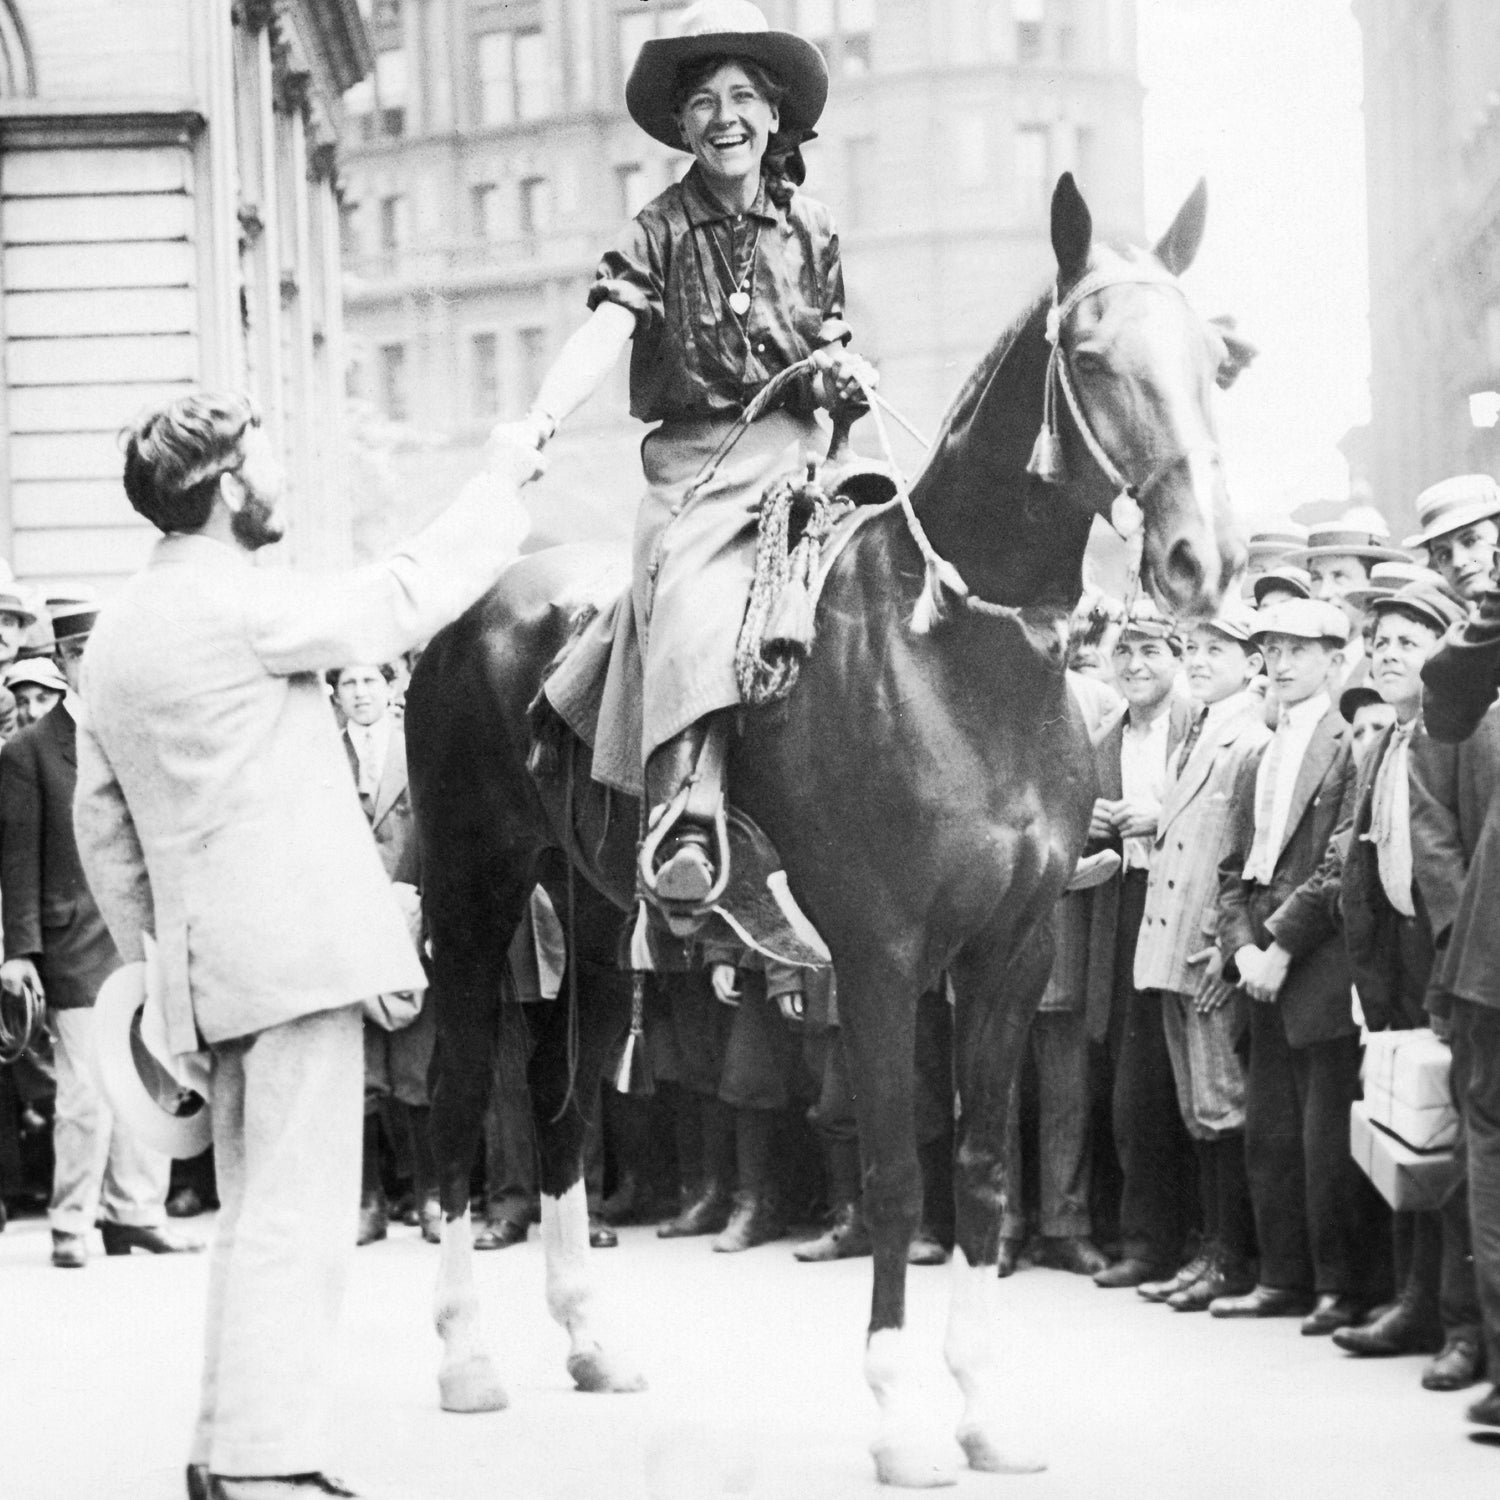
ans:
(1460, 529)
(1278, 939)
(1178, 967)
(1389, 938)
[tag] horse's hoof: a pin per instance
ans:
(987, 1456)
(471, 1385)
(595, 1372)
(912, 1465)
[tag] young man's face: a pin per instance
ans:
(1368, 722)
(1333, 577)
(12, 629)
(1217, 667)
(1298, 668)
(363, 694)
(1466, 557)
(33, 701)
(1145, 669)
(1401, 645)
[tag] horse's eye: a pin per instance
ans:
(1088, 361)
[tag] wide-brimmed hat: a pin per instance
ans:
(11, 603)
(1452, 504)
(1352, 699)
(1276, 539)
(149, 1100)
(1282, 576)
(1361, 532)
(1311, 619)
(1387, 577)
(725, 28)
(1430, 602)
(39, 671)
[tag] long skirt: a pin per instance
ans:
(672, 658)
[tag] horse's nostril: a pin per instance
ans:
(1184, 568)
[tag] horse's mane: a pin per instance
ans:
(963, 404)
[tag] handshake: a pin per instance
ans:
(514, 449)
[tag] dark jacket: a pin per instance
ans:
(1298, 909)
(1390, 972)
(49, 912)
(390, 812)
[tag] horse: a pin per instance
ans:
(927, 783)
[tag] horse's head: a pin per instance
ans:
(1130, 398)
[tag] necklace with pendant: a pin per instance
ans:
(739, 297)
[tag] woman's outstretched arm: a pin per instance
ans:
(580, 368)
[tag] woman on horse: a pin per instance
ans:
(724, 280)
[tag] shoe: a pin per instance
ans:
(1075, 1253)
(121, 1239)
(1010, 1255)
(1404, 1329)
(620, 1207)
(430, 1217)
(926, 1249)
(1184, 1277)
(1221, 1279)
(1131, 1271)
(754, 1221)
(186, 1203)
(1332, 1310)
(406, 1210)
(706, 1213)
(500, 1234)
(1486, 1410)
(847, 1237)
(1460, 1363)
(69, 1251)
(601, 1236)
(374, 1222)
(1263, 1302)
(275, 1487)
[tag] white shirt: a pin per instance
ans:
(1294, 732)
(1390, 821)
(371, 743)
(1143, 774)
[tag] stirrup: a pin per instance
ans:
(680, 912)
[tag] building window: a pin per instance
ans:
(536, 206)
(484, 348)
(860, 179)
(633, 188)
(1027, 16)
(484, 198)
(531, 345)
(841, 29)
(514, 82)
(393, 381)
(1033, 168)
(393, 223)
(390, 92)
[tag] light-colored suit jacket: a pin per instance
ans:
(1192, 836)
(214, 805)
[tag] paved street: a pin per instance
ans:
(756, 1388)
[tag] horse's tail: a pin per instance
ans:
(550, 732)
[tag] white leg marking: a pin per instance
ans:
(467, 1377)
(972, 1357)
(571, 1296)
(904, 1449)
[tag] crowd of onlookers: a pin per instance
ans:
(1298, 792)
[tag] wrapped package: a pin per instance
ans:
(1405, 1178)
(1406, 1088)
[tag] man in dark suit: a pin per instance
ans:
(1279, 939)
(57, 946)
(1159, 1183)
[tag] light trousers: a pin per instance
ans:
(288, 1106)
(101, 1170)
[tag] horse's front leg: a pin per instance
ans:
(997, 989)
(877, 1009)
(563, 1103)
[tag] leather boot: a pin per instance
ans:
(684, 871)
(704, 1212)
(1226, 1276)
(374, 1214)
(847, 1237)
(1182, 1279)
(1412, 1326)
(121, 1239)
(755, 1221)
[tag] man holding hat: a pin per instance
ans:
(57, 946)
(1389, 935)
(1279, 940)
(1459, 525)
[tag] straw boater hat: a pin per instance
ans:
(72, 617)
(1311, 619)
(1283, 576)
(1275, 540)
(1361, 532)
(1387, 577)
(1453, 504)
(725, 28)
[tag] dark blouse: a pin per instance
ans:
(675, 266)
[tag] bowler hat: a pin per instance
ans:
(39, 671)
(1452, 504)
(1310, 619)
(725, 28)
(1434, 605)
(1352, 699)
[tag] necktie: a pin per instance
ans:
(369, 772)
(1262, 862)
(1188, 745)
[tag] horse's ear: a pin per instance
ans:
(1179, 245)
(1238, 351)
(1072, 230)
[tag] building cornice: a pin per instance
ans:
(38, 123)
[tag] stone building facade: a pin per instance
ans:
(1432, 108)
(168, 218)
(491, 161)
